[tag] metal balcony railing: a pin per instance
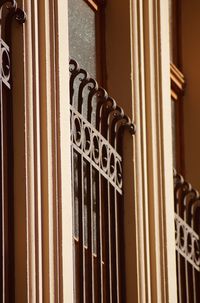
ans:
(187, 231)
(97, 128)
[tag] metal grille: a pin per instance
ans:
(97, 128)
(187, 228)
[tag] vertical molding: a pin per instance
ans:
(29, 100)
(47, 142)
(33, 156)
(141, 180)
(154, 182)
(48, 173)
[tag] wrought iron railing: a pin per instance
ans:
(97, 128)
(187, 229)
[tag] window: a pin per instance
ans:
(97, 128)
(184, 111)
(86, 36)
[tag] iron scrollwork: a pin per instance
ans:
(95, 148)
(97, 127)
(187, 239)
(20, 16)
(94, 104)
(187, 242)
(12, 6)
(5, 63)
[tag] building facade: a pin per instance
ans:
(133, 40)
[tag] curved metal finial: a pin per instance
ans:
(132, 128)
(19, 13)
(105, 104)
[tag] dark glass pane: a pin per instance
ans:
(82, 40)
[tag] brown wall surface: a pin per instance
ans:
(190, 48)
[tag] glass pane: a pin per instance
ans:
(82, 40)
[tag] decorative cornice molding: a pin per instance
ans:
(177, 82)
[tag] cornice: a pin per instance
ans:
(177, 82)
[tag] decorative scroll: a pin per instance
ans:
(187, 228)
(8, 10)
(187, 242)
(96, 149)
(4, 63)
(97, 128)
(13, 8)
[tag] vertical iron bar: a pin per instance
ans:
(121, 254)
(179, 278)
(196, 274)
(89, 231)
(119, 213)
(106, 239)
(80, 268)
(197, 280)
(83, 228)
(181, 269)
(110, 242)
(100, 258)
(94, 195)
(194, 285)
(186, 281)
(74, 220)
(112, 220)
(191, 268)
(186, 265)
(2, 195)
(117, 246)
(1, 210)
